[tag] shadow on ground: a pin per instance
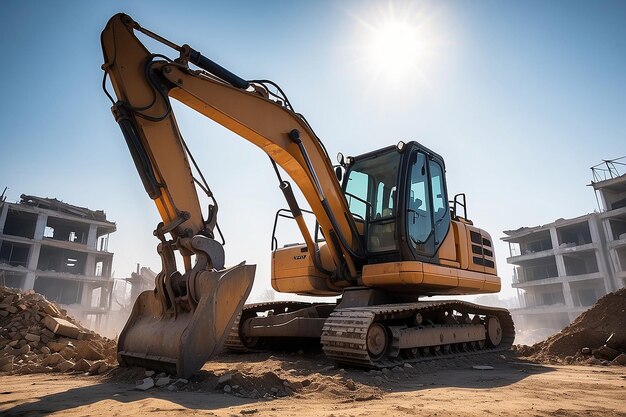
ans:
(306, 375)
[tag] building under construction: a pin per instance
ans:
(58, 250)
(562, 268)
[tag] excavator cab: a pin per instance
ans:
(399, 194)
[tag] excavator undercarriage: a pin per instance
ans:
(375, 336)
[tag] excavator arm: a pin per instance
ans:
(202, 303)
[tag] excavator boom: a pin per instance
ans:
(186, 305)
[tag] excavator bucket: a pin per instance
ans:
(181, 343)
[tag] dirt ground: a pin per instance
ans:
(309, 385)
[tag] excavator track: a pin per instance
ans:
(234, 342)
(353, 335)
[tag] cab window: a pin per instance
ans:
(356, 193)
(441, 213)
(371, 193)
(419, 216)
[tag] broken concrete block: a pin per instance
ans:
(9, 299)
(32, 337)
(606, 352)
(23, 350)
(85, 336)
(57, 346)
(67, 352)
(82, 365)
(93, 369)
(51, 309)
(6, 359)
(149, 373)
(45, 350)
(161, 382)
(145, 384)
(61, 327)
(103, 368)
(8, 367)
(224, 378)
(11, 309)
(620, 360)
(88, 350)
(65, 366)
(53, 360)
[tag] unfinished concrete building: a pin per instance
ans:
(60, 251)
(562, 268)
(610, 189)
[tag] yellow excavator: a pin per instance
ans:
(385, 237)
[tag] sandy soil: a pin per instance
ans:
(308, 385)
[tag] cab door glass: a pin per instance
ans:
(419, 216)
(356, 193)
(441, 211)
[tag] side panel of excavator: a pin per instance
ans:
(466, 266)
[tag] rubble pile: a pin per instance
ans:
(36, 335)
(597, 336)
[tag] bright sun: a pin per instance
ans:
(395, 48)
(396, 44)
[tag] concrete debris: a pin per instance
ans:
(620, 360)
(61, 327)
(65, 366)
(149, 373)
(163, 381)
(224, 378)
(605, 352)
(36, 336)
(482, 367)
(596, 337)
(83, 365)
(145, 384)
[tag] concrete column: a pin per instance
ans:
(40, 227)
(605, 206)
(608, 230)
(567, 294)
(85, 300)
(594, 230)
(554, 237)
(33, 257)
(29, 281)
(92, 237)
(90, 265)
(560, 265)
(602, 256)
(3, 216)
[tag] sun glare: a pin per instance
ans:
(394, 47)
(396, 44)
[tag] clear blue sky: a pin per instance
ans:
(520, 98)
